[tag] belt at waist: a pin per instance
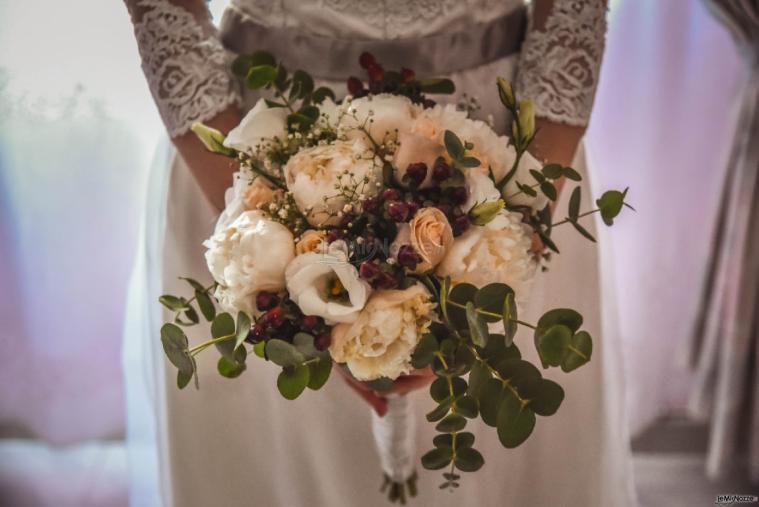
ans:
(335, 59)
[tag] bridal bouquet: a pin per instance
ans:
(382, 234)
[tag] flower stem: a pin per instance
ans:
(578, 216)
(491, 314)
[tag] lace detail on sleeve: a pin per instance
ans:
(559, 67)
(187, 70)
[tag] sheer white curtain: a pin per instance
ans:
(661, 125)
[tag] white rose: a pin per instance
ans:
(327, 285)
(247, 256)
(382, 114)
(262, 122)
(380, 342)
(313, 173)
(496, 252)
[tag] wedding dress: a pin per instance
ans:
(237, 442)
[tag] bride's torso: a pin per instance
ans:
(374, 19)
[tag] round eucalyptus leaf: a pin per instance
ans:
(304, 343)
(552, 344)
(610, 203)
(460, 294)
(444, 440)
(490, 298)
(545, 395)
(439, 412)
(468, 459)
(175, 345)
(509, 316)
(173, 303)
(491, 395)
(439, 389)
(478, 329)
(579, 351)
(319, 373)
(183, 378)
(260, 76)
(243, 328)
(229, 369)
(515, 422)
(451, 423)
(479, 374)
(437, 458)
(564, 316)
(424, 352)
(380, 384)
(467, 406)
(292, 381)
(282, 353)
(259, 349)
(223, 325)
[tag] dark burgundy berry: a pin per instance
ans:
(408, 75)
(445, 208)
(323, 341)
(371, 205)
(334, 235)
(460, 225)
(458, 195)
(376, 72)
(366, 60)
(398, 211)
(256, 334)
(274, 317)
(387, 281)
(408, 258)
(413, 207)
(310, 322)
(391, 194)
(266, 300)
(355, 86)
(441, 171)
(428, 103)
(368, 270)
(416, 173)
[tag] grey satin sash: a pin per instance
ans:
(336, 59)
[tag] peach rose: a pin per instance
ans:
(257, 194)
(431, 236)
(310, 241)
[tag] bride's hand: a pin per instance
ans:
(418, 379)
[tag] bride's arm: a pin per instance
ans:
(188, 73)
(558, 70)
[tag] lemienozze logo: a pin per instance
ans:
(733, 499)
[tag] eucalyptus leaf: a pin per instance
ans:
(478, 329)
(552, 171)
(464, 439)
(282, 353)
(571, 174)
(451, 423)
(510, 316)
(479, 374)
(437, 85)
(231, 369)
(453, 145)
(207, 307)
(243, 328)
(183, 378)
(610, 203)
(302, 85)
(437, 458)
(579, 351)
(439, 412)
(469, 460)
(564, 316)
(424, 352)
(322, 93)
(292, 381)
(467, 406)
(552, 344)
(490, 298)
(175, 345)
(574, 203)
(259, 349)
(515, 422)
(173, 303)
(582, 230)
(491, 396)
(439, 389)
(196, 285)
(319, 373)
(545, 395)
(260, 76)
(460, 294)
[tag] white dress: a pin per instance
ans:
(237, 442)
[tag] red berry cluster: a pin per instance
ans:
(401, 82)
(282, 319)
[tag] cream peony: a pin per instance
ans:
(262, 122)
(383, 115)
(496, 252)
(247, 256)
(492, 150)
(312, 277)
(413, 148)
(380, 342)
(313, 173)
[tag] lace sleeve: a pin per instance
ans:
(559, 66)
(186, 66)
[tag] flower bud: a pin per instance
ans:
(506, 93)
(484, 212)
(212, 139)
(527, 118)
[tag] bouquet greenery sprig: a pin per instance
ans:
(348, 213)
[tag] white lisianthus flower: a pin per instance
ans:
(480, 188)
(262, 122)
(383, 115)
(496, 252)
(247, 256)
(380, 342)
(327, 285)
(313, 174)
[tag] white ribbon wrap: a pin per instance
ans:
(395, 438)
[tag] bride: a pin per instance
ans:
(235, 443)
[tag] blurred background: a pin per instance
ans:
(78, 130)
